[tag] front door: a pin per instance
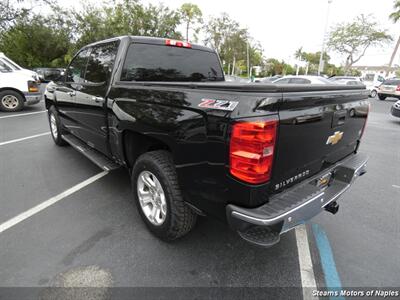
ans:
(65, 93)
(90, 110)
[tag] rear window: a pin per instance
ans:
(145, 62)
(391, 82)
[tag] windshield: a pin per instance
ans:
(4, 68)
(10, 62)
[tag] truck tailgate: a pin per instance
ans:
(316, 130)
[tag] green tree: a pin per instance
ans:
(230, 40)
(38, 42)
(353, 39)
(11, 11)
(299, 54)
(129, 17)
(395, 17)
(192, 16)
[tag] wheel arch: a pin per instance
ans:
(135, 144)
(14, 90)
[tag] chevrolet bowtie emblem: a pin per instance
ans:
(335, 138)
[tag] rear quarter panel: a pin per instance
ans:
(197, 137)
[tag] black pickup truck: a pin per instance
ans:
(261, 157)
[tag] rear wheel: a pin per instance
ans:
(373, 93)
(381, 97)
(158, 196)
(56, 127)
(11, 101)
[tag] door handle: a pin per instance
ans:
(71, 93)
(98, 99)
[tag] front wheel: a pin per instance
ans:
(158, 196)
(11, 101)
(55, 127)
(373, 93)
(381, 97)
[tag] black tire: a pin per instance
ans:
(381, 97)
(11, 101)
(374, 93)
(60, 130)
(179, 219)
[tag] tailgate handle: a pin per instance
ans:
(339, 117)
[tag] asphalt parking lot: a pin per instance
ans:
(95, 235)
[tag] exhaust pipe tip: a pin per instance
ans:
(332, 207)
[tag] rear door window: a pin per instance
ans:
(282, 81)
(101, 61)
(299, 81)
(147, 62)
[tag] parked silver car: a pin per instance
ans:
(304, 79)
(389, 88)
(395, 111)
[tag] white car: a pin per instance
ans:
(17, 89)
(18, 69)
(373, 81)
(337, 78)
(349, 82)
(305, 79)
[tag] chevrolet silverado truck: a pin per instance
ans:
(262, 157)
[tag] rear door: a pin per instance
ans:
(89, 107)
(316, 130)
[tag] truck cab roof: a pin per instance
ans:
(148, 40)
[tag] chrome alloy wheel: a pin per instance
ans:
(10, 101)
(151, 198)
(53, 125)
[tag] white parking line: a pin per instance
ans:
(305, 262)
(24, 138)
(396, 186)
(38, 208)
(25, 114)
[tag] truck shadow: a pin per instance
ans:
(211, 255)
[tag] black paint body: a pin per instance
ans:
(141, 116)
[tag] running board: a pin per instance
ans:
(95, 156)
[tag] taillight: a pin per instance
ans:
(32, 87)
(251, 150)
(398, 88)
(366, 119)
(178, 43)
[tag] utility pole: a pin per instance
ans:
(248, 61)
(321, 57)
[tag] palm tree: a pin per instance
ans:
(191, 13)
(299, 54)
(395, 17)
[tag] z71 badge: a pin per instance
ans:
(218, 104)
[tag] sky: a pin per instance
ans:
(283, 26)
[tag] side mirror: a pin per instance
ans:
(60, 78)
